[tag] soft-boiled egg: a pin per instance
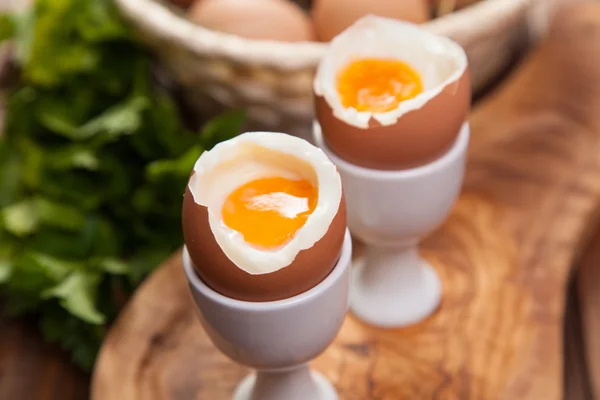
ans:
(264, 216)
(390, 95)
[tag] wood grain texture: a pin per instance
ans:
(577, 385)
(588, 290)
(33, 370)
(504, 255)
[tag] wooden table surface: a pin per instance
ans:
(505, 255)
(31, 369)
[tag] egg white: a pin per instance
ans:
(439, 61)
(256, 155)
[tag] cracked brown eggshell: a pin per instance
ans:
(222, 257)
(418, 137)
(420, 129)
(307, 270)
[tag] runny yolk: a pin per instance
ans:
(269, 211)
(377, 85)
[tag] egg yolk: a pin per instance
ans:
(377, 85)
(269, 211)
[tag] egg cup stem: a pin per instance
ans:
(290, 384)
(394, 287)
(390, 211)
(278, 339)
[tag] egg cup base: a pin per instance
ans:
(278, 339)
(296, 384)
(394, 288)
(390, 212)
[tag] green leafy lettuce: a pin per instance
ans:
(93, 166)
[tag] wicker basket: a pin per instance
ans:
(273, 80)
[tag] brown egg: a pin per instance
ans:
(227, 274)
(331, 17)
(279, 20)
(183, 3)
(446, 6)
(418, 130)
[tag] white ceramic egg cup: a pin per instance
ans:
(277, 338)
(390, 211)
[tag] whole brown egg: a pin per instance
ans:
(443, 7)
(331, 17)
(279, 20)
(183, 3)
(452, 4)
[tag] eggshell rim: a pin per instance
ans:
(318, 223)
(362, 119)
(338, 270)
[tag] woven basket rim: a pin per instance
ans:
(159, 19)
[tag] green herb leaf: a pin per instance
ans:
(59, 215)
(21, 218)
(114, 266)
(7, 253)
(23, 32)
(6, 263)
(77, 295)
(5, 270)
(94, 161)
(7, 27)
(79, 337)
(53, 51)
(9, 174)
(146, 260)
(24, 218)
(99, 21)
(223, 127)
(33, 273)
(54, 269)
(121, 119)
(179, 167)
(73, 157)
(32, 162)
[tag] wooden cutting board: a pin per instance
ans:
(588, 290)
(530, 198)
